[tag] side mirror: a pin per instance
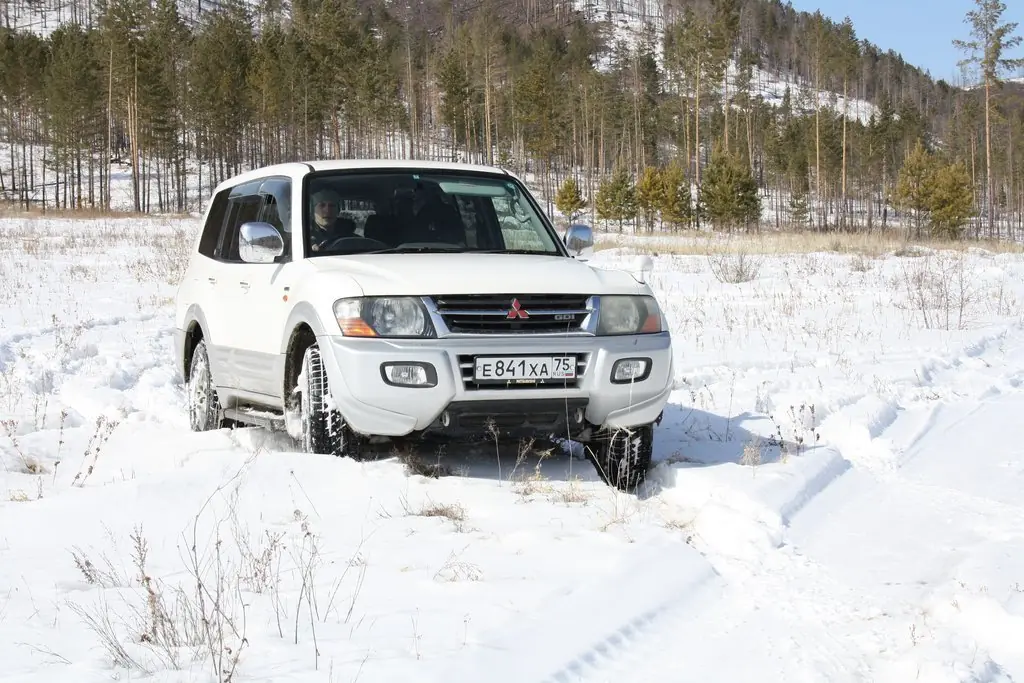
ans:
(259, 242)
(579, 240)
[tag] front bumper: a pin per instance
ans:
(456, 404)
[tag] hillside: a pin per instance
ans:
(549, 88)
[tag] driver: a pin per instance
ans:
(327, 225)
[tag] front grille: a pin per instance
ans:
(467, 364)
(512, 314)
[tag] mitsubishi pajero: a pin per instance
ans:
(345, 301)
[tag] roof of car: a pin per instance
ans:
(293, 167)
(345, 164)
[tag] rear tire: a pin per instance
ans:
(201, 397)
(323, 429)
(622, 456)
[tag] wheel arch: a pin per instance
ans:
(303, 328)
(195, 331)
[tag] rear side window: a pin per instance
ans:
(214, 222)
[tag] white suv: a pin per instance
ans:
(347, 300)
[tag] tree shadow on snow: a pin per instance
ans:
(691, 436)
(505, 461)
(686, 437)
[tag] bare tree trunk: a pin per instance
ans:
(696, 130)
(110, 128)
(488, 65)
(725, 104)
(133, 139)
(817, 144)
(843, 193)
(990, 199)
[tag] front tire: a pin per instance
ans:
(622, 457)
(203, 403)
(323, 429)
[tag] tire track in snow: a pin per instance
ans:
(748, 624)
(98, 371)
(745, 544)
(595, 624)
(25, 337)
(859, 428)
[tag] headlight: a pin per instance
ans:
(629, 315)
(383, 317)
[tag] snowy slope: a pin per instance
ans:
(885, 542)
(632, 21)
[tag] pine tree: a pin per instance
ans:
(616, 197)
(729, 192)
(950, 200)
(798, 209)
(72, 87)
(913, 186)
(649, 195)
(676, 208)
(569, 200)
(454, 83)
(605, 201)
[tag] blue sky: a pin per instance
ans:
(921, 30)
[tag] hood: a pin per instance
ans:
(468, 273)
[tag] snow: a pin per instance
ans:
(837, 496)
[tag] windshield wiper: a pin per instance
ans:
(516, 251)
(418, 249)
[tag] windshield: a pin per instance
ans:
(421, 211)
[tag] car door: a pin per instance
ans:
(231, 275)
(259, 296)
(198, 296)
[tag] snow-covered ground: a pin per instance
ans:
(883, 542)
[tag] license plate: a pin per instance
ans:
(524, 368)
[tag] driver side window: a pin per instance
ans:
(241, 209)
(275, 209)
(267, 200)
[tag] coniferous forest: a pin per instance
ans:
(645, 131)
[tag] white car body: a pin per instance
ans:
(255, 317)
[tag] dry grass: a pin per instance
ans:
(151, 249)
(416, 465)
(455, 569)
(872, 244)
(200, 614)
(11, 210)
(160, 627)
(570, 493)
(453, 512)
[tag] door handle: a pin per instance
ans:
(212, 280)
(243, 285)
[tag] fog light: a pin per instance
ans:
(409, 374)
(630, 370)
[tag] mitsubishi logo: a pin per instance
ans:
(516, 311)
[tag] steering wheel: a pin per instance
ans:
(353, 242)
